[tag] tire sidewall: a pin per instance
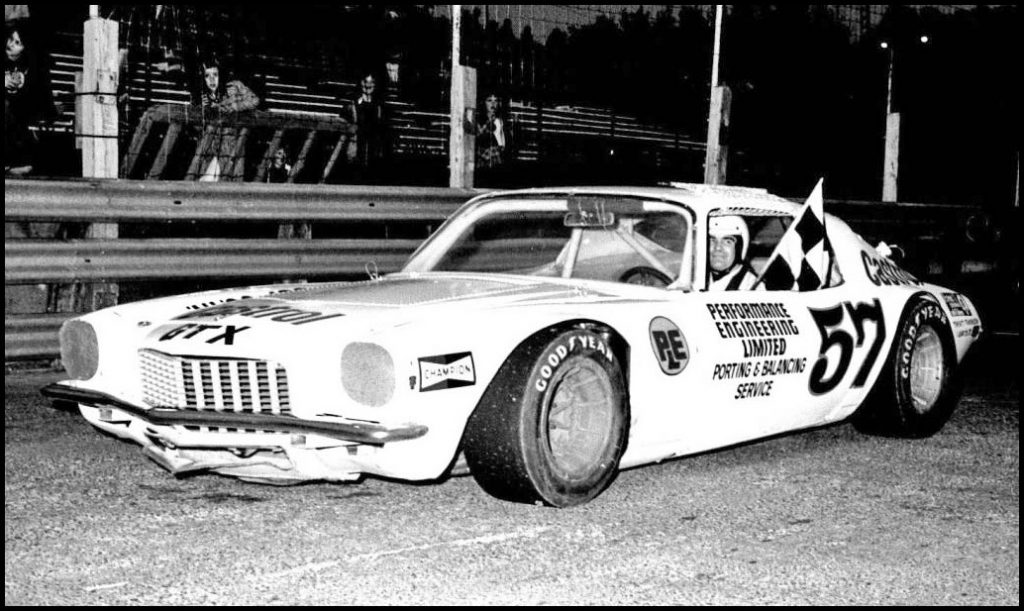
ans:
(915, 423)
(559, 353)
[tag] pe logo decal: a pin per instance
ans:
(447, 371)
(669, 346)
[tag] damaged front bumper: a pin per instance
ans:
(265, 448)
(354, 432)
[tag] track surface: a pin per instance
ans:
(827, 516)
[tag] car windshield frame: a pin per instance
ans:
(594, 214)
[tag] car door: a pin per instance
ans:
(757, 361)
(768, 361)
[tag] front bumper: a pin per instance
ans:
(353, 432)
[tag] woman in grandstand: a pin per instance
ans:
(223, 96)
(491, 137)
(27, 99)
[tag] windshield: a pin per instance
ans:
(610, 238)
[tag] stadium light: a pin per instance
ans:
(890, 46)
(890, 167)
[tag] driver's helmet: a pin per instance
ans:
(731, 225)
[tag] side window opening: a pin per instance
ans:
(764, 232)
(613, 239)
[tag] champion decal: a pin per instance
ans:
(447, 371)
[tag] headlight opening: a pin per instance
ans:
(79, 349)
(368, 374)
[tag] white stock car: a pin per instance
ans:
(545, 339)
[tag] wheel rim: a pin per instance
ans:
(927, 370)
(580, 415)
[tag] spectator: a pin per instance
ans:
(394, 71)
(27, 99)
(368, 146)
(222, 94)
(222, 97)
(491, 137)
(279, 169)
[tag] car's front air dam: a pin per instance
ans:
(356, 432)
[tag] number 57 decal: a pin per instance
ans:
(830, 325)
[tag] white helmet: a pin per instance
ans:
(721, 226)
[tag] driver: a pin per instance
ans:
(728, 241)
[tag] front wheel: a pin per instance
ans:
(918, 389)
(553, 425)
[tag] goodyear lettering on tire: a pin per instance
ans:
(557, 353)
(928, 312)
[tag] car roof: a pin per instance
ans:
(703, 199)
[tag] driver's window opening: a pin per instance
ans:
(753, 238)
(613, 239)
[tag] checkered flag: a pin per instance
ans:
(800, 260)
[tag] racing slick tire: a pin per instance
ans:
(553, 425)
(919, 385)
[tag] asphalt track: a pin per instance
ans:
(827, 516)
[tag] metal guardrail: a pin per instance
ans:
(35, 261)
(111, 201)
(32, 336)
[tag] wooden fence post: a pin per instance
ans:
(98, 97)
(99, 130)
(891, 166)
(717, 156)
(462, 139)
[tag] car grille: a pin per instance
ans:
(191, 383)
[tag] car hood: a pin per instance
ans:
(402, 291)
(424, 290)
(388, 301)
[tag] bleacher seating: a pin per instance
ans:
(415, 132)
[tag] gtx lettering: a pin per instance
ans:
(190, 330)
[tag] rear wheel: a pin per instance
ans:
(918, 389)
(553, 425)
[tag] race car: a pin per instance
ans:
(541, 339)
